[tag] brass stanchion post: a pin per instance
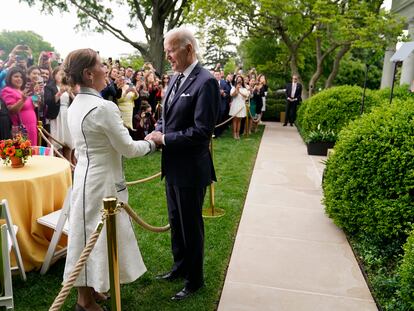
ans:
(110, 206)
(246, 128)
(212, 211)
(39, 137)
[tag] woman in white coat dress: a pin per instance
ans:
(100, 140)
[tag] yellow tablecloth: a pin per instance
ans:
(34, 190)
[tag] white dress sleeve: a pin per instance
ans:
(108, 118)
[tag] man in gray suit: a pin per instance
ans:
(190, 111)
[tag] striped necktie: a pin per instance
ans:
(175, 88)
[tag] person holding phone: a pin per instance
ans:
(19, 102)
(144, 122)
(126, 102)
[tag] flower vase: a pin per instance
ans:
(16, 162)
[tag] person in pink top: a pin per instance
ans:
(20, 105)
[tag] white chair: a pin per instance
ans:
(58, 222)
(6, 300)
(12, 230)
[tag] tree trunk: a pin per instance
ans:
(315, 77)
(156, 46)
(156, 35)
(294, 63)
(335, 67)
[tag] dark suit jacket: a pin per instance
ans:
(52, 107)
(298, 92)
(225, 99)
(188, 124)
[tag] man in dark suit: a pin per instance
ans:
(293, 99)
(190, 111)
(225, 89)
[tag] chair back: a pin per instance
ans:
(6, 293)
(58, 221)
(41, 150)
(5, 214)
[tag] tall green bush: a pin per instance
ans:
(333, 108)
(406, 272)
(400, 92)
(369, 178)
(275, 103)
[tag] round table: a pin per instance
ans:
(35, 190)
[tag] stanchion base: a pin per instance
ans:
(218, 212)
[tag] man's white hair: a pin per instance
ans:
(184, 36)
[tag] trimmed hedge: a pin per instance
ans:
(400, 92)
(406, 272)
(275, 103)
(333, 108)
(369, 180)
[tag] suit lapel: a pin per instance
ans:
(190, 79)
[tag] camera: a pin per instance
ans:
(148, 114)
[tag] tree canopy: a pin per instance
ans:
(154, 17)
(9, 39)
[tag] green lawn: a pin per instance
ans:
(234, 161)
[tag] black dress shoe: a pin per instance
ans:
(284, 124)
(291, 124)
(184, 293)
(169, 276)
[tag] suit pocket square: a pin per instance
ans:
(185, 95)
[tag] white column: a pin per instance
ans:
(388, 67)
(407, 72)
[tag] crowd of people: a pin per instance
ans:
(32, 92)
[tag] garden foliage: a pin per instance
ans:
(333, 108)
(369, 181)
(406, 272)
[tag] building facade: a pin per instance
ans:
(403, 8)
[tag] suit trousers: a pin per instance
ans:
(290, 115)
(187, 232)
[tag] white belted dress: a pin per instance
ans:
(100, 140)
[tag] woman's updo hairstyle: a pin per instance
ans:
(76, 62)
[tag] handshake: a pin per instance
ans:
(157, 137)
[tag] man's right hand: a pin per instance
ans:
(156, 137)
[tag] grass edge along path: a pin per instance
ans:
(234, 161)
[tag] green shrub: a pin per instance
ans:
(400, 92)
(369, 178)
(406, 272)
(275, 103)
(333, 108)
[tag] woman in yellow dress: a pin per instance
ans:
(126, 103)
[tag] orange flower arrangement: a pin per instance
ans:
(19, 147)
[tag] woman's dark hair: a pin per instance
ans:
(12, 71)
(163, 78)
(76, 62)
(237, 78)
(134, 76)
(55, 72)
(32, 68)
(260, 77)
(145, 106)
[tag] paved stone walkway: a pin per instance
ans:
(288, 255)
